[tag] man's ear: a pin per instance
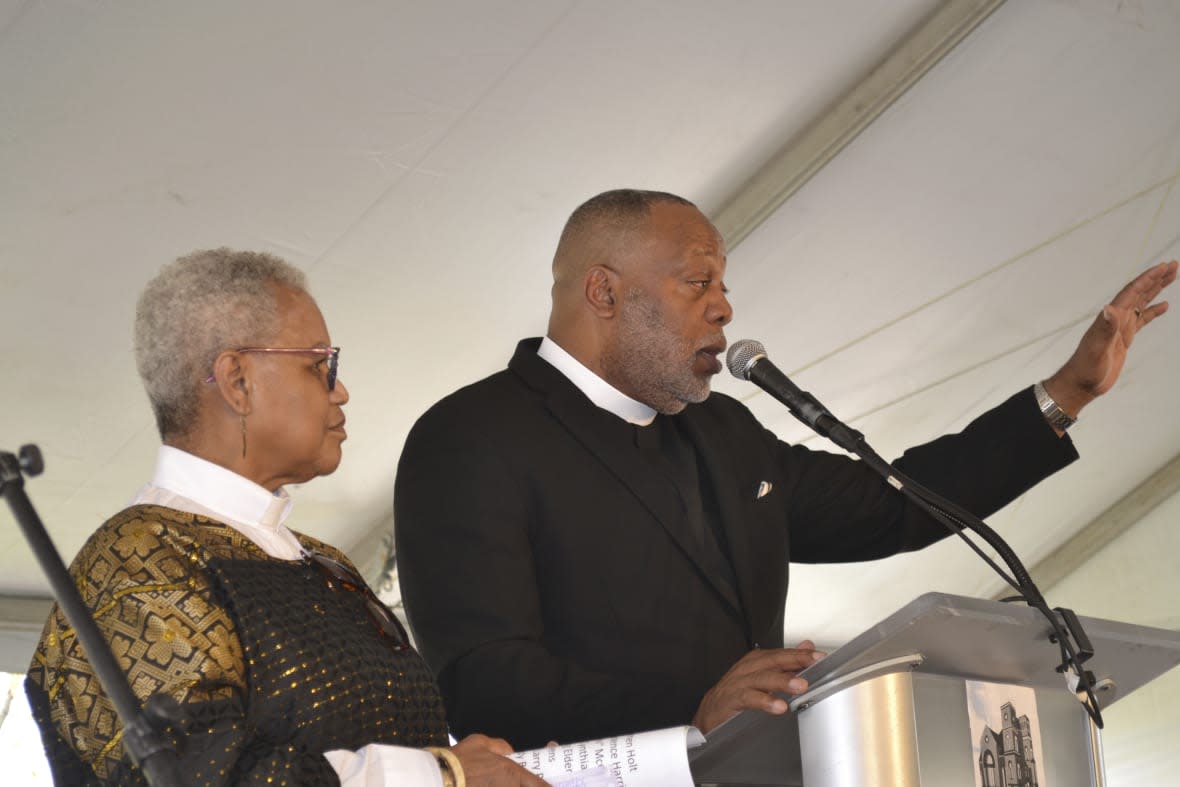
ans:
(602, 290)
(233, 382)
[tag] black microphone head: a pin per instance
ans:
(742, 355)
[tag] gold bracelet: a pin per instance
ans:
(448, 763)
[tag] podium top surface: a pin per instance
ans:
(1004, 643)
(955, 636)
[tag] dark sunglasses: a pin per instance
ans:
(338, 576)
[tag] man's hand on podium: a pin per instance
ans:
(753, 682)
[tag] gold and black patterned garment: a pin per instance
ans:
(272, 666)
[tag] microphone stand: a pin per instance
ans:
(747, 360)
(143, 729)
(1067, 634)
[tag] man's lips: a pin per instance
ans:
(709, 355)
(339, 428)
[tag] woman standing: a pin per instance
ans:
(275, 647)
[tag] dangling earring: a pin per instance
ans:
(243, 437)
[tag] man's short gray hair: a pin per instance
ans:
(600, 222)
(194, 309)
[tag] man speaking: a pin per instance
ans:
(590, 543)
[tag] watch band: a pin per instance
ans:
(1057, 418)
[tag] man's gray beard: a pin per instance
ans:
(644, 357)
(668, 399)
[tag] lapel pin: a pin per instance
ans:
(764, 489)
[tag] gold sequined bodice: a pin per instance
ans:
(274, 666)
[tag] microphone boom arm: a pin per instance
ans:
(747, 360)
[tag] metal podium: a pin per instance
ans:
(947, 691)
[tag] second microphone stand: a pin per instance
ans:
(144, 729)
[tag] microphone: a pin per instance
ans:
(747, 360)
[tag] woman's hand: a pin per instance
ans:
(485, 765)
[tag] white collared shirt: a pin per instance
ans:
(597, 390)
(196, 486)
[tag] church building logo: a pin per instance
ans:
(1006, 735)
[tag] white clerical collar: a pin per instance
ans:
(233, 498)
(597, 390)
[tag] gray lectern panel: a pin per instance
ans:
(945, 744)
(912, 730)
(864, 735)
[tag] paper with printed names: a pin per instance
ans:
(645, 759)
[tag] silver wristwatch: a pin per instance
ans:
(1057, 418)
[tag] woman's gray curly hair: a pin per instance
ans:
(195, 308)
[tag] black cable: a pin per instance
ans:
(955, 518)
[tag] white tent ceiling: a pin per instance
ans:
(419, 159)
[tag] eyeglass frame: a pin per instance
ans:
(336, 574)
(331, 353)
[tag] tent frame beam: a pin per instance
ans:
(820, 141)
